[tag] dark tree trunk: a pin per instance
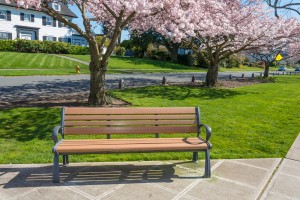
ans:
(97, 78)
(267, 69)
(174, 52)
(212, 75)
(97, 87)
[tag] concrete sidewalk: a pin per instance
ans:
(232, 179)
(285, 183)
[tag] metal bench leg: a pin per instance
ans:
(55, 178)
(207, 173)
(65, 160)
(195, 157)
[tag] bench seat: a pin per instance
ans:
(130, 130)
(130, 145)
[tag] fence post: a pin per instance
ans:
(193, 79)
(164, 81)
(121, 84)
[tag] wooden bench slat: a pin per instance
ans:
(124, 123)
(131, 145)
(129, 130)
(126, 117)
(132, 111)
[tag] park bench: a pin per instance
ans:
(182, 123)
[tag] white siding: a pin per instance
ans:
(9, 26)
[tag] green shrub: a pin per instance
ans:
(200, 61)
(29, 46)
(33, 46)
(55, 47)
(187, 60)
(7, 45)
(120, 51)
(79, 50)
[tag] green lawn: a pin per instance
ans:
(138, 65)
(22, 64)
(132, 64)
(17, 64)
(258, 121)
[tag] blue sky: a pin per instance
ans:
(125, 34)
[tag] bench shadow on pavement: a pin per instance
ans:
(90, 175)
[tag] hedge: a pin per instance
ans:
(34, 46)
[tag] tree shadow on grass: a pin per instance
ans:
(26, 124)
(181, 93)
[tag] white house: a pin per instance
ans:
(34, 25)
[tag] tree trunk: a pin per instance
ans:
(267, 69)
(97, 78)
(212, 75)
(174, 52)
(97, 87)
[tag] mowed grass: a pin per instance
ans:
(118, 64)
(258, 121)
(131, 64)
(27, 64)
(16, 64)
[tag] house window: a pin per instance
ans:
(3, 15)
(63, 40)
(27, 17)
(61, 24)
(56, 6)
(26, 35)
(49, 21)
(49, 38)
(3, 36)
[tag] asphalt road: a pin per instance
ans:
(47, 88)
(112, 79)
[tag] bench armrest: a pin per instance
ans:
(207, 130)
(55, 132)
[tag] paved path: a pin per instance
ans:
(285, 183)
(42, 88)
(241, 179)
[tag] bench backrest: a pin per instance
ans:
(82, 120)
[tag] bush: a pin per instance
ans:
(187, 60)
(55, 47)
(7, 45)
(29, 46)
(200, 62)
(33, 46)
(120, 51)
(79, 50)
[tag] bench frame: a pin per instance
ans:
(60, 130)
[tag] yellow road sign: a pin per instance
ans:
(278, 57)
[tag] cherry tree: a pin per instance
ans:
(116, 15)
(221, 28)
(289, 48)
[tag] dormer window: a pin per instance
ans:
(3, 15)
(49, 21)
(56, 6)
